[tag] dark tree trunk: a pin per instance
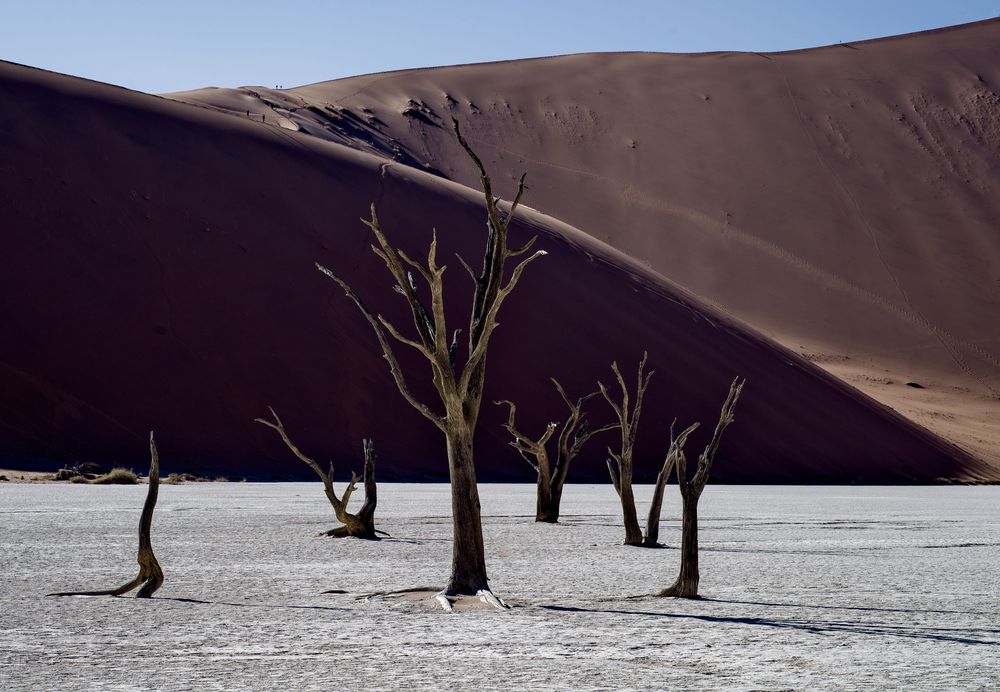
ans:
(367, 512)
(562, 470)
(468, 562)
(633, 534)
(652, 538)
(548, 509)
(362, 524)
(547, 502)
(150, 576)
(686, 585)
(674, 452)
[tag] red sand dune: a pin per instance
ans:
(158, 265)
(842, 200)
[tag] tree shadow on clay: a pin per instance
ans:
(956, 635)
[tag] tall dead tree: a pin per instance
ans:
(620, 462)
(150, 576)
(686, 585)
(572, 437)
(360, 525)
(460, 389)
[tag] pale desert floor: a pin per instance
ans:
(807, 588)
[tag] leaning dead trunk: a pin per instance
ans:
(360, 525)
(150, 575)
(652, 537)
(573, 435)
(459, 387)
(686, 585)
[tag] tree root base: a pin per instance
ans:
(673, 592)
(149, 586)
(344, 532)
(439, 598)
(448, 601)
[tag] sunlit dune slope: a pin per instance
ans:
(842, 200)
(157, 269)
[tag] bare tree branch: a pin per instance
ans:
(402, 339)
(387, 352)
(421, 318)
(615, 481)
(361, 525)
(513, 208)
(465, 265)
(523, 439)
(614, 406)
(585, 436)
(726, 417)
(488, 324)
(524, 248)
(416, 265)
(487, 189)
(453, 348)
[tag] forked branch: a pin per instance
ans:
(387, 352)
(533, 451)
(490, 291)
(360, 525)
(726, 417)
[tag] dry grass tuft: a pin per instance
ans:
(117, 476)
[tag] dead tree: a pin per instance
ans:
(686, 585)
(460, 389)
(674, 452)
(620, 462)
(360, 525)
(573, 435)
(150, 575)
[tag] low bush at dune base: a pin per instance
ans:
(117, 476)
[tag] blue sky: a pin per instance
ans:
(181, 44)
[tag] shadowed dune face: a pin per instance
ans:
(158, 263)
(844, 200)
